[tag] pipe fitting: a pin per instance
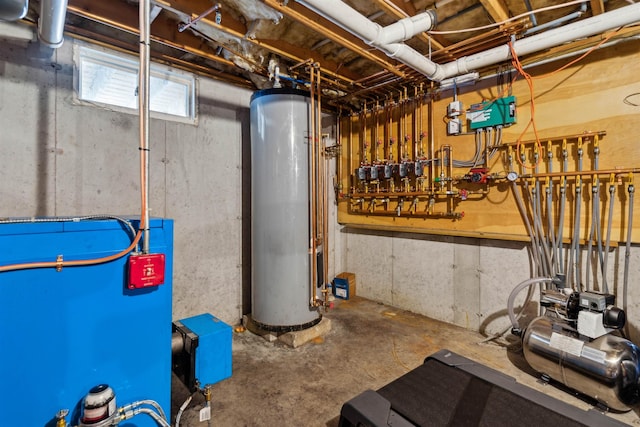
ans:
(405, 28)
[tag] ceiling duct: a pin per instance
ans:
(51, 22)
(388, 39)
(13, 10)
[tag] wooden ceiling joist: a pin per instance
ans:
(497, 9)
(124, 16)
(597, 7)
(332, 32)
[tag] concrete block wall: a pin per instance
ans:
(62, 158)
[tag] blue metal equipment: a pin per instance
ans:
(203, 353)
(64, 332)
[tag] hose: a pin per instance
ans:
(152, 403)
(573, 270)
(527, 224)
(157, 418)
(182, 408)
(563, 202)
(590, 240)
(596, 209)
(512, 297)
(518, 316)
(627, 255)
(551, 228)
(612, 190)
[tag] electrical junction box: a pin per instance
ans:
(146, 270)
(205, 357)
(499, 112)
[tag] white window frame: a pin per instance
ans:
(129, 64)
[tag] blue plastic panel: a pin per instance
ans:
(65, 332)
(213, 354)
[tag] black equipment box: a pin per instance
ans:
(451, 390)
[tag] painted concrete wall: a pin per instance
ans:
(462, 281)
(61, 158)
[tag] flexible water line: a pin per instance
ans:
(182, 408)
(576, 239)
(543, 241)
(152, 403)
(627, 255)
(559, 241)
(160, 421)
(612, 190)
(598, 236)
(516, 291)
(527, 224)
(563, 202)
(590, 241)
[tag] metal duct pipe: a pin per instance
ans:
(51, 22)
(577, 30)
(13, 10)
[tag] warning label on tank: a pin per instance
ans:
(566, 344)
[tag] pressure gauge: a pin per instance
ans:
(512, 176)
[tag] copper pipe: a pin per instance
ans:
(432, 148)
(313, 213)
(325, 193)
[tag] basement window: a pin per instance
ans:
(111, 79)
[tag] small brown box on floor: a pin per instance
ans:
(351, 279)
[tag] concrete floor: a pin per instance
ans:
(370, 345)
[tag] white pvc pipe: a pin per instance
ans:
(386, 38)
(577, 30)
(405, 28)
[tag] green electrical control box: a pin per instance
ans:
(499, 112)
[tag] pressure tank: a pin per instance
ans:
(280, 214)
(606, 368)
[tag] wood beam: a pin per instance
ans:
(333, 32)
(597, 7)
(124, 16)
(131, 48)
(497, 9)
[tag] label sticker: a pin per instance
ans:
(205, 413)
(566, 344)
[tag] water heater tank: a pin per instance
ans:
(280, 215)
